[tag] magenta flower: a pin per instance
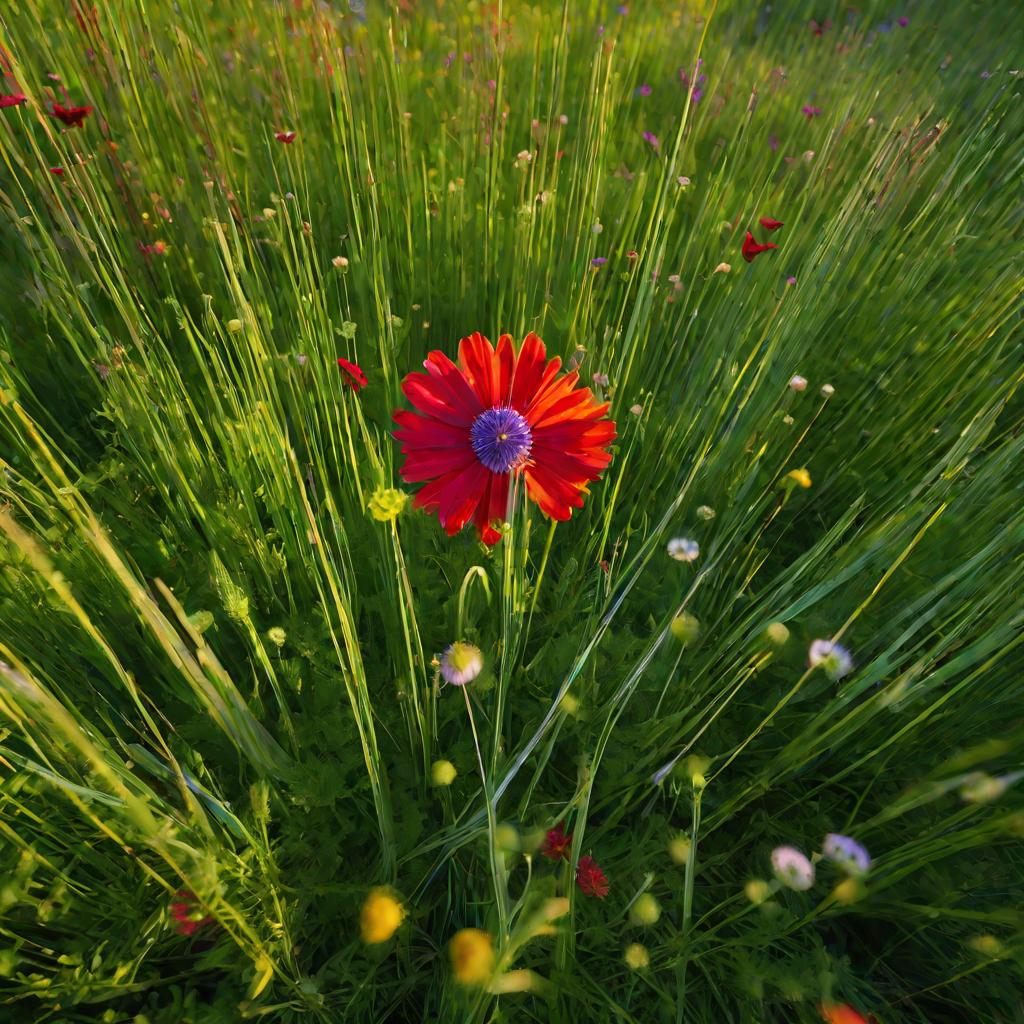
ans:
(903, 21)
(643, 90)
(652, 140)
(599, 261)
(808, 111)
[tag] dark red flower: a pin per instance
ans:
(751, 248)
(15, 99)
(496, 413)
(770, 223)
(591, 879)
(188, 915)
(352, 375)
(59, 171)
(285, 137)
(556, 843)
(71, 116)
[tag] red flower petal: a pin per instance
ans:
(492, 508)
(71, 116)
(459, 500)
(15, 99)
(770, 223)
(352, 375)
(286, 137)
(751, 248)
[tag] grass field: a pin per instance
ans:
(236, 782)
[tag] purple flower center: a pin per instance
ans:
(501, 439)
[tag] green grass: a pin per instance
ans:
(217, 669)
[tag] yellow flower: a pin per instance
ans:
(387, 503)
(757, 891)
(848, 891)
(637, 957)
(685, 628)
(442, 773)
(645, 910)
(800, 477)
(472, 956)
(380, 917)
(679, 849)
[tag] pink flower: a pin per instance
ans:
(652, 140)
(15, 99)
(808, 111)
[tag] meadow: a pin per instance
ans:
(713, 715)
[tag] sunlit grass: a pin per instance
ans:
(218, 655)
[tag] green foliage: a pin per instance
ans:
(220, 617)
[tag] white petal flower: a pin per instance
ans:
(682, 549)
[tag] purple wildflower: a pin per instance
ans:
(643, 90)
(847, 853)
(808, 111)
(652, 140)
(903, 21)
(599, 261)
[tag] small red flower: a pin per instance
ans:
(188, 915)
(770, 223)
(71, 116)
(58, 171)
(495, 413)
(751, 248)
(591, 879)
(15, 99)
(352, 375)
(840, 1013)
(556, 843)
(286, 137)
(820, 28)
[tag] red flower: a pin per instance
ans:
(286, 137)
(496, 413)
(556, 843)
(352, 375)
(591, 879)
(751, 248)
(188, 915)
(822, 28)
(71, 116)
(14, 100)
(59, 171)
(840, 1013)
(770, 223)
